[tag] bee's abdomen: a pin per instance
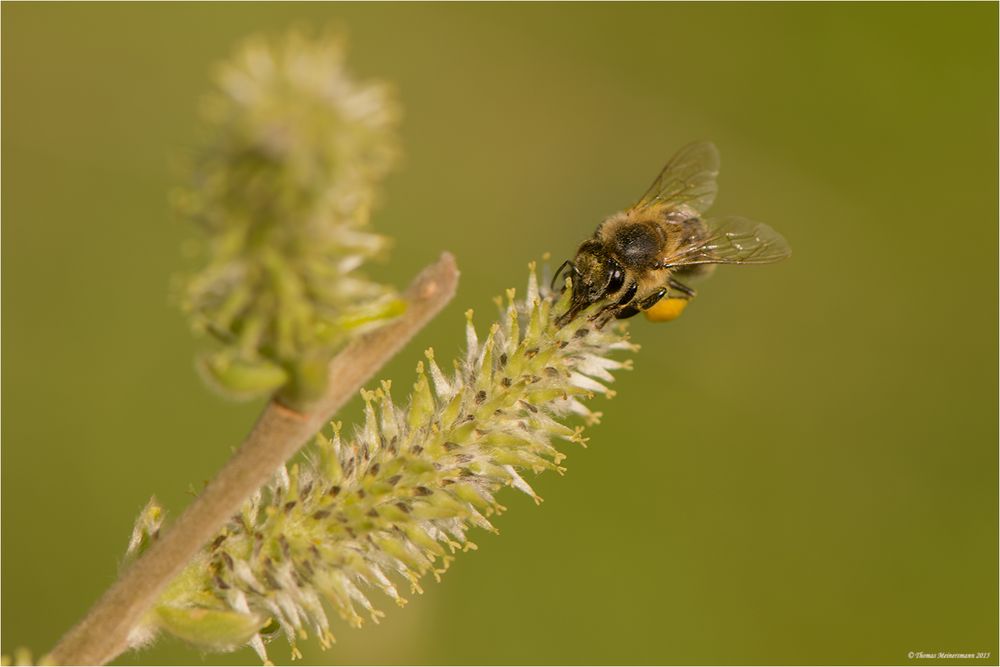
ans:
(638, 244)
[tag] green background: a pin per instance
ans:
(802, 469)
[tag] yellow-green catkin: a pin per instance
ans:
(282, 188)
(396, 501)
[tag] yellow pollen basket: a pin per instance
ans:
(665, 310)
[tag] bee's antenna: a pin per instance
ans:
(559, 271)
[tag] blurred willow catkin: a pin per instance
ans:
(282, 188)
(397, 499)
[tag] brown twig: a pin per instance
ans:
(103, 633)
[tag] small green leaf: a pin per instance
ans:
(241, 378)
(217, 629)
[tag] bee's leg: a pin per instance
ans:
(637, 307)
(617, 307)
(628, 295)
(628, 311)
(686, 292)
(660, 309)
(652, 299)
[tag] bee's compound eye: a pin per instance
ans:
(617, 280)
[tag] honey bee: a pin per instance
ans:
(636, 259)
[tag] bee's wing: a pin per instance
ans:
(731, 240)
(688, 178)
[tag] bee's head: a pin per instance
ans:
(596, 275)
